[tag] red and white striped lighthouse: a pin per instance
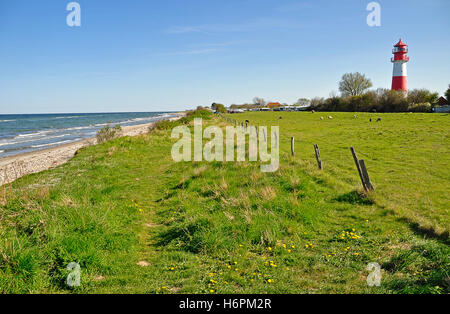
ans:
(399, 78)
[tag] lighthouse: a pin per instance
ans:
(399, 78)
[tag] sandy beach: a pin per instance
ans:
(14, 167)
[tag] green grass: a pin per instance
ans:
(228, 227)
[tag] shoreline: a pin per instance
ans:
(17, 166)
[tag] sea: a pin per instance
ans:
(23, 133)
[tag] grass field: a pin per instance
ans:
(137, 222)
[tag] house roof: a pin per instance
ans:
(442, 101)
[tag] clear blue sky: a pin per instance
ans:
(145, 55)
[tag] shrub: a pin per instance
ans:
(191, 115)
(108, 133)
(423, 107)
(419, 96)
(391, 101)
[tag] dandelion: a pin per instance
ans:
(284, 245)
(289, 251)
(211, 291)
(293, 246)
(269, 249)
(270, 280)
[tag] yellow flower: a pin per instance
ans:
(293, 246)
(289, 251)
(270, 280)
(212, 291)
(284, 245)
(269, 248)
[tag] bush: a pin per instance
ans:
(423, 107)
(419, 96)
(108, 133)
(391, 101)
(191, 115)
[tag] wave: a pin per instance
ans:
(33, 134)
(2, 151)
(33, 140)
(7, 120)
(54, 143)
(70, 117)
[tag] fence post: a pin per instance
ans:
(366, 175)
(293, 146)
(319, 160)
(358, 166)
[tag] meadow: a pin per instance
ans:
(137, 222)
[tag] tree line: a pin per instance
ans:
(356, 96)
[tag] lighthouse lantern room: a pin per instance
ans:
(399, 79)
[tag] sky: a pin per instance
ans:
(154, 55)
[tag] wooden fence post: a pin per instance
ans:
(366, 175)
(293, 146)
(319, 160)
(358, 166)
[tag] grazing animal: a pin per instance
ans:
(313, 111)
(281, 118)
(321, 118)
(370, 120)
(354, 116)
(247, 122)
(379, 120)
(330, 117)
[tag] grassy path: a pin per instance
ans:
(205, 228)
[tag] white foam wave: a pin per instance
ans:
(53, 144)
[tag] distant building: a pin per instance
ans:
(273, 105)
(442, 109)
(442, 101)
(442, 106)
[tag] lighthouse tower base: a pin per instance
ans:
(399, 78)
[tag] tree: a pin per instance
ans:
(447, 94)
(259, 101)
(354, 84)
(419, 96)
(218, 108)
(303, 102)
